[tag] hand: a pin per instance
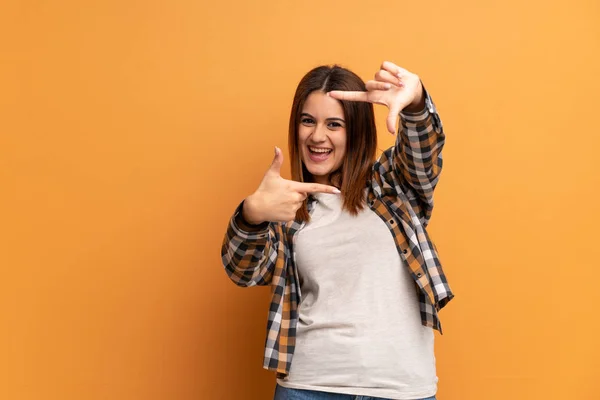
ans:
(394, 87)
(278, 199)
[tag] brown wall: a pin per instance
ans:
(130, 130)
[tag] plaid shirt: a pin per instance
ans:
(400, 191)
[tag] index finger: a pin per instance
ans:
(304, 187)
(349, 96)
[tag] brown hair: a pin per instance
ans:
(361, 136)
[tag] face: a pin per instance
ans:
(322, 135)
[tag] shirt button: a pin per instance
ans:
(392, 221)
(419, 275)
(404, 251)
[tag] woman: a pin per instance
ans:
(356, 281)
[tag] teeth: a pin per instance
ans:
(315, 150)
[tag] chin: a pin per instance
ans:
(317, 171)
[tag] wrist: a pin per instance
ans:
(249, 212)
(418, 103)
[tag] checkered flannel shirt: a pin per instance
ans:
(400, 191)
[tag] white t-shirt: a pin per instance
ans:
(359, 330)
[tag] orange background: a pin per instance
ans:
(130, 130)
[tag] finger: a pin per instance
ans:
(303, 187)
(393, 68)
(375, 85)
(291, 217)
(300, 197)
(277, 162)
(392, 118)
(385, 76)
(349, 96)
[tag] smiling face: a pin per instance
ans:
(322, 136)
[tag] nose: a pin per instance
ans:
(319, 134)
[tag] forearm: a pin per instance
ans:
(247, 252)
(417, 155)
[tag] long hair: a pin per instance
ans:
(361, 136)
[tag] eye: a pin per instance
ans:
(307, 121)
(334, 125)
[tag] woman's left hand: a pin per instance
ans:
(394, 87)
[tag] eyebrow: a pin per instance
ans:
(326, 119)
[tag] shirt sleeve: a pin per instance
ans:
(416, 157)
(249, 252)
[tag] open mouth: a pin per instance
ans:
(318, 154)
(319, 150)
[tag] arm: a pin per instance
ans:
(249, 252)
(417, 155)
(413, 165)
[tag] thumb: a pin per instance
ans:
(277, 162)
(393, 117)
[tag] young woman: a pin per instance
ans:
(356, 281)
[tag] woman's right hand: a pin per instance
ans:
(278, 199)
